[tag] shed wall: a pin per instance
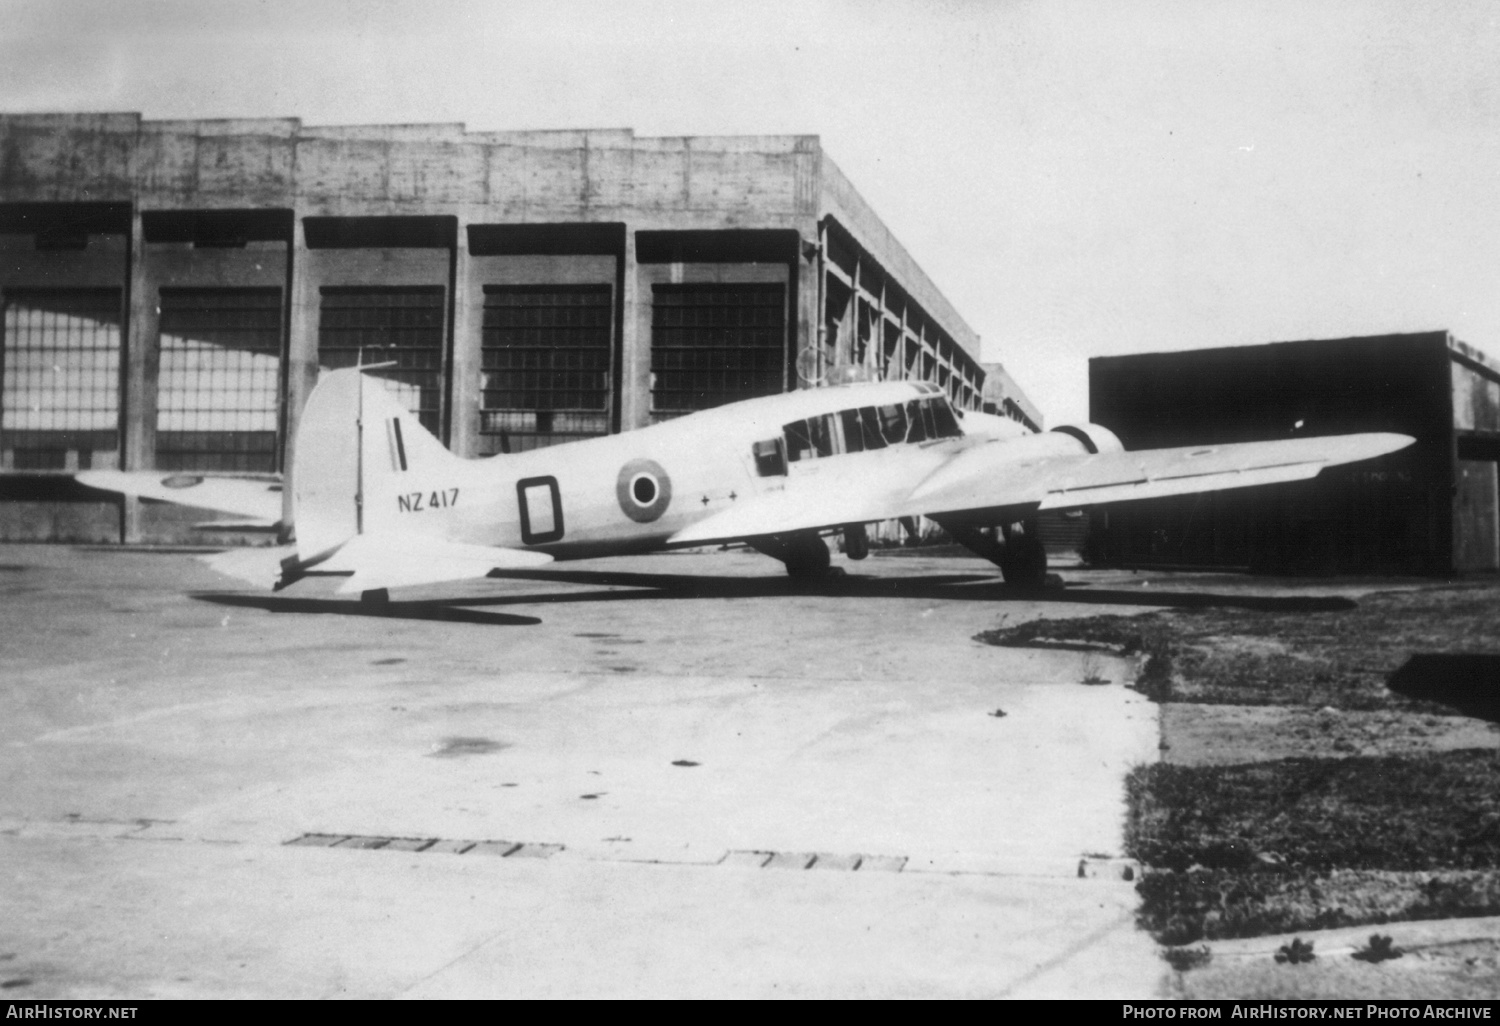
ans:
(1392, 514)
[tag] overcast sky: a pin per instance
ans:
(1080, 179)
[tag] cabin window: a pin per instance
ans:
(869, 422)
(770, 457)
(931, 419)
(944, 420)
(893, 423)
(823, 434)
(854, 436)
(862, 430)
(918, 421)
(798, 443)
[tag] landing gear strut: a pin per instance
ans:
(856, 541)
(1018, 551)
(804, 552)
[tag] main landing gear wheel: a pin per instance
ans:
(805, 554)
(376, 600)
(1024, 564)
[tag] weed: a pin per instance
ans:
(1297, 952)
(1380, 949)
(1184, 959)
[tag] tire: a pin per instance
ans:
(807, 556)
(1025, 562)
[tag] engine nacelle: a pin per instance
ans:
(1092, 437)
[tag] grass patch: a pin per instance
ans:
(1184, 908)
(1313, 844)
(1299, 844)
(1435, 811)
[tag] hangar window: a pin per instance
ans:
(218, 390)
(60, 405)
(384, 324)
(545, 352)
(716, 343)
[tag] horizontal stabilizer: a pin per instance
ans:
(257, 498)
(258, 566)
(237, 525)
(392, 561)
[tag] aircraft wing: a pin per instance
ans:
(259, 499)
(992, 479)
(981, 478)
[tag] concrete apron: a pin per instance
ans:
(578, 806)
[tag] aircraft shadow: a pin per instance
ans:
(967, 587)
(625, 586)
(442, 610)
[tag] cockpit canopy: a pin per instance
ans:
(858, 430)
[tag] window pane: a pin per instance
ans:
(893, 423)
(545, 352)
(218, 388)
(62, 377)
(404, 325)
(854, 433)
(716, 343)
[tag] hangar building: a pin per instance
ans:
(170, 290)
(1431, 508)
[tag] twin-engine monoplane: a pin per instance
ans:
(377, 498)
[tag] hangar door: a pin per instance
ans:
(545, 353)
(403, 325)
(60, 400)
(219, 387)
(1476, 513)
(715, 343)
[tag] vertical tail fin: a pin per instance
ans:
(357, 450)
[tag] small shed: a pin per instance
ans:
(1431, 508)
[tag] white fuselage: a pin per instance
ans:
(634, 491)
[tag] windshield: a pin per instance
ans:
(870, 427)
